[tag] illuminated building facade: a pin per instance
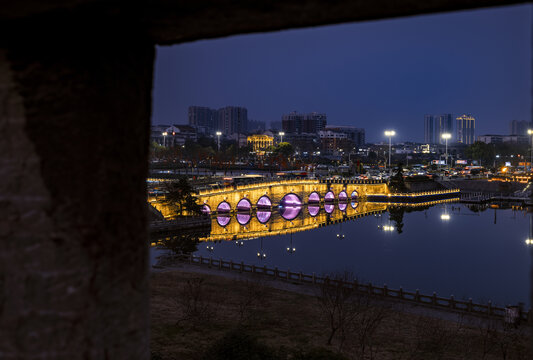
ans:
(260, 142)
(466, 128)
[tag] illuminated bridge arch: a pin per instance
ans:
(343, 196)
(290, 199)
(343, 206)
(224, 207)
(223, 219)
(329, 197)
(263, 216)
(206, 209)
(264, 202)
(355, 194)
(244, 205)
(313, 198)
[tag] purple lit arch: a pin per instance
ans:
(343, 206)
(329, 208)
(330, 196)
(244, 205)
(314, 197)
(355, 194)
(264, 202)
(223, 207)
(290, 212)
(206, 209)
(313, 210)
(290, 199)
(343, 196)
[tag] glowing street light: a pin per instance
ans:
(281, 133)
(390, 134)
(530, 133)
(446, 136)
(164, 138)
(218, 136)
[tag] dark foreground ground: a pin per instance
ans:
(202, 315)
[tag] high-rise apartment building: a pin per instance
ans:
(443, 125)
(203, 119)
(233, 120)
(429, 134)
(466, 128)
(229, 120)
(520, 127)
(295, 123)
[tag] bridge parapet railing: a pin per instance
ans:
(416, 297)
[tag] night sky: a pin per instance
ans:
(376, 75)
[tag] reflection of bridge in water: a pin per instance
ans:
(289, 219)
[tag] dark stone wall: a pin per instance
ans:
(75, 116)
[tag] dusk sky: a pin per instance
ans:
(376, 75)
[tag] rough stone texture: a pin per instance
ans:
(171, 21)
(74, 117)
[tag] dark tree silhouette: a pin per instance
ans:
(180, 197)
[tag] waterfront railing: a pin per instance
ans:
(384, 292)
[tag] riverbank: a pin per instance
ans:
(288, 317)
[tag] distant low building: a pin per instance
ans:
(507, 139)
(173, 135)
(260, 142)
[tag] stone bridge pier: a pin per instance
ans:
(75, 108)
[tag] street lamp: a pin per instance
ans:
(165, 138)
(390, 134)
(446, 136)
(281, 133)
(218, 136)
(530, 133)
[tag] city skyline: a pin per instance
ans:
(377, 75)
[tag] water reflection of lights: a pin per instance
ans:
(291, 249)
(261, 255)
(243, 219)
(210, 248)
(223, 220)
(263, 216)
(342, 206)
(445, 217)
(529, 241)
(239, 243)
(313, 210)
(329, 208)
(388, 228)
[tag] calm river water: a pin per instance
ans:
(446, 248)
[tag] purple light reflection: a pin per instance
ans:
(223, 220)
(330, 196)
(290, 212)
(206, 209)
(329, 208)
(342, 206)
(263, 216)
(244, 205)
(313, 210)
(355, 204)
(243, 219)
(264, 202)
(314, 197)
(224, 206)
(355, 194)
(290, 200)
(343, 196)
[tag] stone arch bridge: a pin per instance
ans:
(286, 193)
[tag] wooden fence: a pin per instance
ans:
(398, 294)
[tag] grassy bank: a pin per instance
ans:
(191, 312)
